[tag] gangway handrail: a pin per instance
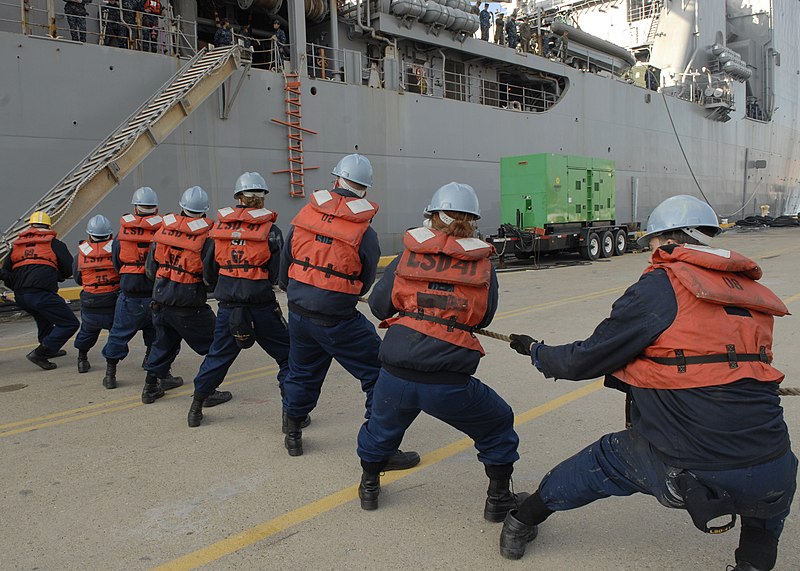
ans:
(138, 127)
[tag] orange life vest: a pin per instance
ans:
(241, 238)
(326, 239)
(152, 7)
(34, 247)
(179, 244)
(97, 269)
(441, 286)
(722, 332)
(135, 237)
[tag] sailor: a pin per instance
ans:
(129, 252)
(511, 30)
(75, 11)
(180, 311)
(330, 258)
(224, 35)
(95, 271)
(37, 263)
(432, 298)
(242, 264)
(485, 19)
(691, 346)
(499, 26)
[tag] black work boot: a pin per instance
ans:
(294, 436)
(152, 389)
(217, 397)
(169, 382)
(402, 461)
(39, 357)
(59, 353)
(499, 497)
(196, 412)
(110, 380)
(515, 537)
(285, 420)
(83, 362)
(368, 490)
(146, 356)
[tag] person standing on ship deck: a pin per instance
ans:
(499, 30)
(485, 18)
(432, 298)
(243, 264)
(38, 261)
(75, 11)
(690, 344)
(330, 259)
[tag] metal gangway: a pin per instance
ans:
(96, 175)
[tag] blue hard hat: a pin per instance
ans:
(355, 168)
(250, 182)
(194, 199)
(455, 197)
(99, 226)
(145, 196)
(682, 212)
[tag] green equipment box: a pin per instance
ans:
(544, 189)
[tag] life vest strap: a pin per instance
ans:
(327, 270)
(450, 323)
(731, 357)
(181, 270)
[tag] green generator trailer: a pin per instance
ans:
(553, 203)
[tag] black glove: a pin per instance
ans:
(522, 343)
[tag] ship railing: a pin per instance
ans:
(268, 53)
(328, 63)
(103, 24)
(433, 82)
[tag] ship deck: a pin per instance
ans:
(93, 479)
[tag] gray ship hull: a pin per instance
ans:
(58, 99)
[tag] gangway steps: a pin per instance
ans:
(102, 169)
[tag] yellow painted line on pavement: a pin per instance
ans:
(93, 410)
(314, 509)
(34, 345)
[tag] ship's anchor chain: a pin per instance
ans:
(784, 392)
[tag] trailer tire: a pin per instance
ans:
(607, 244)
(620, 242)
(591, 250)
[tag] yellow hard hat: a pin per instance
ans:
(40, 217)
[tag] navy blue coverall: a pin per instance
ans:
(325, 325)
(258, 299)
(730, 435)
(180, 312)
(97, 313)
(36, 291)
(422, 373)
(131, 312)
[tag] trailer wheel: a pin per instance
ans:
(607, 245)
(591, 251)
(620, 242)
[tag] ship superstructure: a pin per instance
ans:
(685, 97)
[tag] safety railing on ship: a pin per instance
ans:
(437, 83)
(268, 53)
(107, 23)
(327, 63)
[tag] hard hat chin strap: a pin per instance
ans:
(146, 209)
(346, 185)
(446, 220)
(701, 237)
